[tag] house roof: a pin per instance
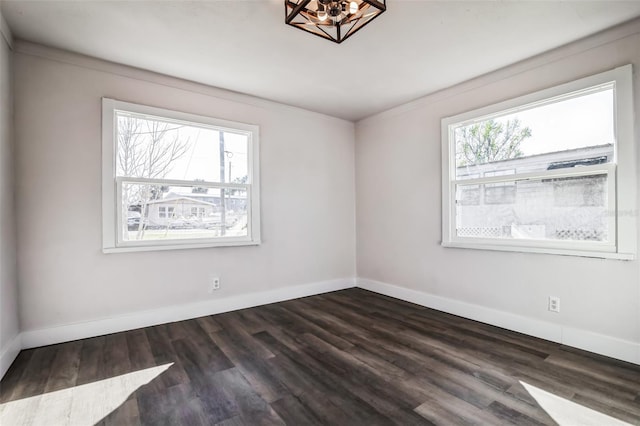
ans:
(556, 159)
(173, 200)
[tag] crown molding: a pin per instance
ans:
(96, 64)
(602, 38)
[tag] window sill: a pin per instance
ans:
(541, 250)
(177, 246)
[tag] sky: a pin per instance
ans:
(573, 123)
(201, 160)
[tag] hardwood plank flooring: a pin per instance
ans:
(350, 357)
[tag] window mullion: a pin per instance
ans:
(174, 182)
(599, 169)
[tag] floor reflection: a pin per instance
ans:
(80, 405)
(568, 413)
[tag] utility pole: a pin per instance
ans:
(223, 207)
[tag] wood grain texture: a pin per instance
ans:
(351, 357)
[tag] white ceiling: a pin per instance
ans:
(415, 48)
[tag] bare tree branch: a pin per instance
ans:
(147, 149)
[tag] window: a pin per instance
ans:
(197, 212)
(174, 180)
(551, 172)
(166, 212)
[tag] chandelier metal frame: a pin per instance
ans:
(334, 20)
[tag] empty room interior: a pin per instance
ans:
(319, 212)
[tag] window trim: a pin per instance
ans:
(622, 172)
(111, 183)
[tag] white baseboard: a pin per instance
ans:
(9, 354)
(581, 339)
(69, 332)
(593, 342)
(602, 344)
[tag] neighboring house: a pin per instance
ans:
(166, 211)
(514, 209)
(192, 210)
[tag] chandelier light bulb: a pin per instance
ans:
(334, 20)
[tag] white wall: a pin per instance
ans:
(308, 207)
(308, 199)
(9, 326)
(398, 187)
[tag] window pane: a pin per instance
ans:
(155, 212)
(157, 149)
(572, 208)
(573, 132)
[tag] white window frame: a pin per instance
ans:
(621, 181)
(112, 241)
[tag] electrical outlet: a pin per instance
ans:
(554, 304)
(214, 284)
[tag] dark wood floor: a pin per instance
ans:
(345, 358)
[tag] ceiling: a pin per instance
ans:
(415, 48)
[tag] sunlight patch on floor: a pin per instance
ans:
(79, 405)
(568, 413)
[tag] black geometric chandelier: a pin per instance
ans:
(330, 19)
